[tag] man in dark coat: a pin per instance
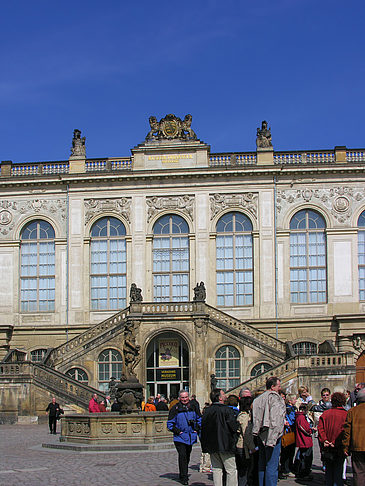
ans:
(218, 437)
(54, 411)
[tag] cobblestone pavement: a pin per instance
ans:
(24, 462)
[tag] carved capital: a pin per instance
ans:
(157, 204)
(201, 327)
(220, 202)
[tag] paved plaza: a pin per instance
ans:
(23, 461)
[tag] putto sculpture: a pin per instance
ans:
(78, 144)
(263, 138)
(171, 127)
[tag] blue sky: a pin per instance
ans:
(105, 67)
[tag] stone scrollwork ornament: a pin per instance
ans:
(171, 127)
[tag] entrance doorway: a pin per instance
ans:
(167, 365)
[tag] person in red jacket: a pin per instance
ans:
(93, 404)
(304, 441)
(330, 431)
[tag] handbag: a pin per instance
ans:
(288, 439)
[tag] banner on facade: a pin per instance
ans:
(168, 353)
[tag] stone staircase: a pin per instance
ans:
(69, 390)
(291, 369)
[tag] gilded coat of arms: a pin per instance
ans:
(171, 127)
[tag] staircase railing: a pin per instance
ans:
(254, 336)
(50, 379)
(291, 367)
(87, 339)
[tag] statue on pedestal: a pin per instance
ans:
(78, 144)
(135, 293)
(200, 293)
(263, 138)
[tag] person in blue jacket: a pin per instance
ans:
(185, 423)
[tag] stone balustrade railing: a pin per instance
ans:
(223, 160)
(322, 157)
(355, 156)
(39, 168)
(83, 341)
(291, 368)
(247, 329)
(163, 307)
(99, 165)
(64, 386)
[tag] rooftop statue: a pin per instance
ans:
(78, 144)
(263, 139)
(171, 127)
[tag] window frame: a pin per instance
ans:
(227, 381)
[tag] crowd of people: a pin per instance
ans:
(256, 441)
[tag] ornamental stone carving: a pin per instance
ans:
(136, 428)
(263, 136)
(157, 204)
(159, 427)
(220, 202)
(121, 428)
(12, 211)
(120, 206)
(106, 428)
(339, 201)
(171, 127)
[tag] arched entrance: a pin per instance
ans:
(167, 365)
(360, 368)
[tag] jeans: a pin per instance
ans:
(184, 451)
(224, 461)
(269, 463)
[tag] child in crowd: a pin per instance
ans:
(304, 441)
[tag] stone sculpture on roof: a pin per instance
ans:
(171, 127)
(263, 138)
(78, 144)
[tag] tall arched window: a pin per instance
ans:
(227, 367)
(78, 374)
(308, 269)
(37, 355)
(108, 272)
(109, 364)
(361, 254)
(305, 347)
(170, 259)
(260, 368)
(37, 267)
(234, 255)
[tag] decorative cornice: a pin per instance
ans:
(157, 204)
(119, 206)
(220, 202)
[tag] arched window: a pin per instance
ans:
(260, 368)
(170, 259)
(108, 272)
(37, 267)
(234, 255)
(361, 254)
(109, 364)
(305, 347)
(227, 367)
(308, 269)
(37, 355)
(78, 374)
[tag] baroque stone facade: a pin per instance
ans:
(170, 216)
